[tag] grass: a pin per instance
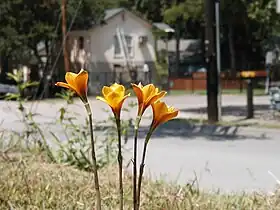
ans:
(33, 183)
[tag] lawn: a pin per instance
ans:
(31, 182)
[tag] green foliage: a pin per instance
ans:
(67, 95)
(76, 148)
(88, 13)
(186, 9)
(21, 86)
(161, 66)
(26, 25)
(33, 135)
(264, 13)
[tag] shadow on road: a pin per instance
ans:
(182, 128)
(190, 131)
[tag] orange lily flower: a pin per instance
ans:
(162, 113)
(146, 96)
(114, 96)
(77, 83)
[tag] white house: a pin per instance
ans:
(99, 49)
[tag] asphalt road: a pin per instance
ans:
(228, 158)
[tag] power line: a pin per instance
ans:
(57, 57)
(65, 53)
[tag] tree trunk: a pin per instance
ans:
(177, 37)
(4, 62)
(231, 49)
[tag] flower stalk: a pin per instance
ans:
(114, 96)
(94, 161)
(134, 183)
(142, 165)
(120, 161)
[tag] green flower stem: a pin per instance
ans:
(136, 128)
(142, 165)
(94, 162)
(120, 161)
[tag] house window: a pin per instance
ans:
(117, 47)
(129, 44)
(81, 42)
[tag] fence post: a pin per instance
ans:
(192, 83)
(250, 105)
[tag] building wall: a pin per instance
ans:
(102, 39)
(99, 42)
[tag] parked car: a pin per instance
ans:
(8, 88)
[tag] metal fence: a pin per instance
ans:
(98, 79)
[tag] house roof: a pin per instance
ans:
(185, 45)
(164, 27)
(110, 13)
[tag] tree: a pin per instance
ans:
(86, 13)
(24, 25)
(179, 13)
(230, 9)
(263, 13)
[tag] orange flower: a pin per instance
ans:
(162, 113)
(114, 96)
(77, 83)
(146, 95)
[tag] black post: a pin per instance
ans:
(211, 63)
(250, 104)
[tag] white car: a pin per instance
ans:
(5, 88)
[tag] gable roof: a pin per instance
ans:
(164, 27)
(110, 13)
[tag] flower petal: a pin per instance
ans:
(62, 84)
(117, 109)
(162, 113)
(81, 83)
(65, 85)
(148, 90)
(70, 78)
(138, 92)
(101, 99)
(106, 90)
(113, 99)
(159, 108)
(155, 98)
(140, 85)
(120, 89)
(168, 116)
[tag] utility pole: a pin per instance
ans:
(211, 62)
(218, 53)
(64, 36)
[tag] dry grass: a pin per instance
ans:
(31, 183)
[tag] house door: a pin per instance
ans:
(118, 71)
(79, 52)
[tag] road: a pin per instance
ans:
(228, 158)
